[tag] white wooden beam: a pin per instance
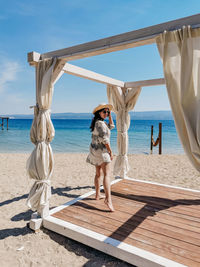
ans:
(84, 73)
(122, 41)
(33, 58)
(144, 83)
(118, 249)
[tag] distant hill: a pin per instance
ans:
(65, 116)
(152, 115)
(142, 115)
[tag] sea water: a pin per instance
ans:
(74, 136)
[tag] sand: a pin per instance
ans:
(19, 246)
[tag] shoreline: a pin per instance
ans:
(171, 169)
(71, 178)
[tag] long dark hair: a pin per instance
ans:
(97, 117)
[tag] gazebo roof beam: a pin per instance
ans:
(91, 75)
(145, 83)
(84, 73)
(121, 41)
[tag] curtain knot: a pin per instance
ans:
(39, 109)
(44, 181)
(122, 156)
(122, 132)
(42, 110)
(40, 142)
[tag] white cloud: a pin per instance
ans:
(8, 73)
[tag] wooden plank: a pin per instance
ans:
(172, 193)
(143, 211)
(99, 220)
(159, 203)
(167, 217)
(135, 220)
(157, 209)
(134, 242)
(183, 189)
(145, 83)
(147, 222)
(84, 73)
(164, 198)
(171, 198)
(172, 245)
(120, 250)
(169, 188)
(140, 214)
(187, 200)
(121, 41)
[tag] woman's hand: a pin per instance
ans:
(110, 118)
(111, 155)
(109, 151)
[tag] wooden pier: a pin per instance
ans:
(153, 224)
(2, 122)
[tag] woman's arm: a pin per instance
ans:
(110, 119)
(111, 123)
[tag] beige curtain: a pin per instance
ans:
(180, 53)
(122, 103)
(40, 162)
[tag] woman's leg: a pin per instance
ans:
(106, 183)
(97, 182)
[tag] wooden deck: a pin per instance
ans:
(153, 225)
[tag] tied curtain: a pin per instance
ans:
(40, 163)
(180, 54)
(123, 100)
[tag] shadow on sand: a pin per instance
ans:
(95, 257)
(4, 233)
(26, 215)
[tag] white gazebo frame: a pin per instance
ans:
(119, 42)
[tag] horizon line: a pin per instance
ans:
(69, 112)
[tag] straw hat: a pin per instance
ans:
(102, 106)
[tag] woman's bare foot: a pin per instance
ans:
(98, 197)
(109, 204)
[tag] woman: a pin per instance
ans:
(100, 152)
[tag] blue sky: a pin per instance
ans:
(42, 26)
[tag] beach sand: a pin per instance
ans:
(72, 177)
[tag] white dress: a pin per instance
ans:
(100, 136)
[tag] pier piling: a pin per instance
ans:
(158, 140)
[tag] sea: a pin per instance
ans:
(73, 136)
